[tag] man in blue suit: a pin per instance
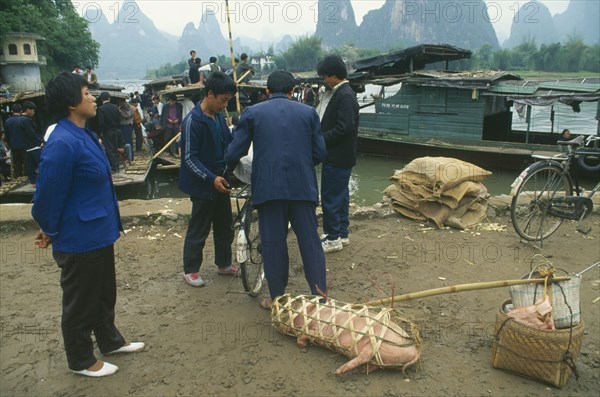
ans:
(287, 145)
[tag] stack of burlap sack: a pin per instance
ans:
(444, 190)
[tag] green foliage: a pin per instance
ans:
(304, 54)
(570, 57)
(68, 39)
(167, 69)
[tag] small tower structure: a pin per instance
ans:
(20, 62)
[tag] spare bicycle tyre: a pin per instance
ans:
(583, 162)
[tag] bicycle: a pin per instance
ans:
(248, 248)
(542, 195)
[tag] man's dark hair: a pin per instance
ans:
(332, 65)
(63, 91)
(213, 59)
(280, 82)
(244, 56)
(192, 52)
(219, 83)
(29, 105)
(236, 60)
(172, 97)
(16, 108)
(88, 67)
(197, 60)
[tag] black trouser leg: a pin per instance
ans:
(110, 139)
(89, 296)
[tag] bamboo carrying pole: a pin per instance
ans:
(460, 288)
(166, 146)
(237, 95)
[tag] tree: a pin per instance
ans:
(303, 54)
(483, 57)
(68, 40)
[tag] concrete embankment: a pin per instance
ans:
(167, 210)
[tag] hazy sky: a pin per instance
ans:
(264, 20)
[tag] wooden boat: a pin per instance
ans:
(458, 114)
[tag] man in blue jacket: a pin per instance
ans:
(287, 145)
(204, 137)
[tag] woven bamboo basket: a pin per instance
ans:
(542, 355)
(324, 323)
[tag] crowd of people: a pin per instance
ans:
(78, 212)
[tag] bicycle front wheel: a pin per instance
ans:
(530, 204)
(253, 275)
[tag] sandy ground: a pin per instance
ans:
(217, 341)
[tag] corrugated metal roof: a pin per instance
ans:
(560, 86)
(545, 88)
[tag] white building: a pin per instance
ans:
(20, 62)
(262, 62)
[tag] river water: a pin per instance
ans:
(369, 179)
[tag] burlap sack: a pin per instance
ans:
(439, 173)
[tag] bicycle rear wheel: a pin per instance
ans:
(530, 204)
(253, 275)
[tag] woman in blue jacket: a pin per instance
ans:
(76, 208)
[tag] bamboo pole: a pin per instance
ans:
(243, 76)
(167, 167)
(460, 288)
(166, 146)
(237, 95)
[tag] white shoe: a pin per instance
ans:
(345, 241)
(107, 369)
(332, 245)
(130, 348)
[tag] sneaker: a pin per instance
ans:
(193, 279)
(229, 270)
(332, 245)
(345, 240)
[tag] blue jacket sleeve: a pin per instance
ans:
(53, 185)
(242, 137)
(318, 142)
(191, 153)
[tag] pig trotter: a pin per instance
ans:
(363, 358)
(303, 340)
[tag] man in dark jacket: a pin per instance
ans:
(109, 129)
(15, 141)
(204, 137)
(33, 140)
(243, 67)
(194, 72)
(287, 145)
(340, 129)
